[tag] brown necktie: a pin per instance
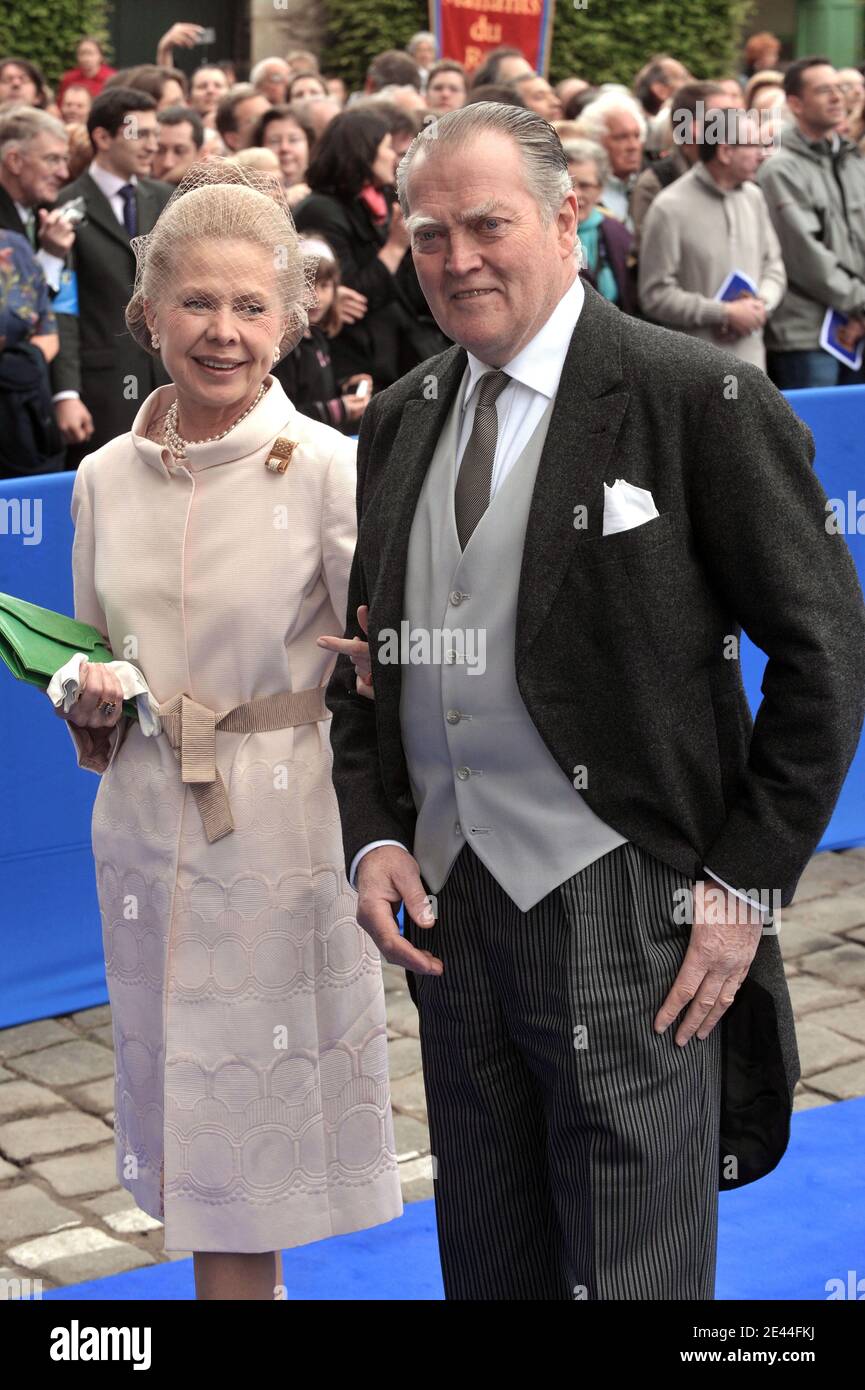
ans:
(472, 493)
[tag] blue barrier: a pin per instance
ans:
(51, 935)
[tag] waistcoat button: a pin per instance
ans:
(456, 598)
(463, 773)
(453, 716)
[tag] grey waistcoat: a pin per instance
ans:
(479, 770)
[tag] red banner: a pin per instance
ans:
(468, 30)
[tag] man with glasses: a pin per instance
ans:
(711, 222)
(815, 189)
(100, 375)
(33, 169)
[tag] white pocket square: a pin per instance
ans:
(626, 506)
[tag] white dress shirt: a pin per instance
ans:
(109, 184)
(536, 371)
(52, 266)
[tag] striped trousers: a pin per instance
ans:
(575, 1150)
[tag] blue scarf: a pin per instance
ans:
(589, 233)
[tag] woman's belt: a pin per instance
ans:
(191, 731)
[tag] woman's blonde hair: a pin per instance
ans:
(219, 201)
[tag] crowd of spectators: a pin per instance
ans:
(727, 206)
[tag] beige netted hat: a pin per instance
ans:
(217, 201)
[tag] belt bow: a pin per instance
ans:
(190, 728)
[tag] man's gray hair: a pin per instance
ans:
(588, 152)
(544, 163)
(593, 118)
(423, 36)
(20, 125)
(261, 68)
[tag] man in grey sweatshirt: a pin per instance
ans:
(710, 222)
(815, 189)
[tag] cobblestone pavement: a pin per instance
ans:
(64, 1219)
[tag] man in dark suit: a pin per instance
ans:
(100, 375)
(565, 523)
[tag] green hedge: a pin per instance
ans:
(47, 32)
(608, 41)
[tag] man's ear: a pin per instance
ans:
(100, 138)
(567, 220)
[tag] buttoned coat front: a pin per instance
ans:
(247, 1003)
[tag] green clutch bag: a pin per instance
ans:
(35, 642)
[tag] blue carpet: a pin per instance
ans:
(784, 1237)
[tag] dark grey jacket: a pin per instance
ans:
(98, 356)
(621, 639)
(817, 205)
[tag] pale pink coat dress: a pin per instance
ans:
(247, 1004)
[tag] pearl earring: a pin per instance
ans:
(154, 340)
(276, 353)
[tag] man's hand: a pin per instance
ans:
(180, 35)
(74, 420)
(716, 962)
(745, 315)
(358, 650)
(55, 235)
(386, 876)
(849, 335)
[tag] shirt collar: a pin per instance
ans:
(108, 183)
(274, 415)
(539, 364)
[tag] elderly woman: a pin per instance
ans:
(212, 546)
(606, 241)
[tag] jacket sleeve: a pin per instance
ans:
(365, 812)
(773, 276)
(96, 748)
(759, 514)
(644, 193)
(812, 268)
(339, 525)
(66, 365)
(661, 294)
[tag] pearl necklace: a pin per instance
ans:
(177, 445)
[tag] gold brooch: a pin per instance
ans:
(280, 454)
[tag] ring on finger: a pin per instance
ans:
(107, 707)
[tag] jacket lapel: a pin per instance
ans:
(149, 208)
(586, 419)
(395, 502)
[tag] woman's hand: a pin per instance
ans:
(354, 406)
(97, 685)
(358, 650)
(352, 304)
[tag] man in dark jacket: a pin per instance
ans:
(100, 375)
(565, 522)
